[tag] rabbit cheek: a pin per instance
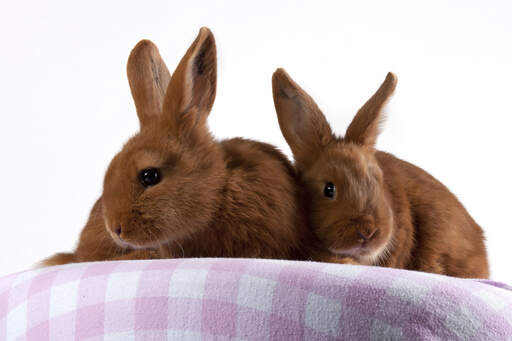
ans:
(349, 241)
(129, 223)
(138, 231)
(382, 241)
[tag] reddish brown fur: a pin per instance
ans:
(234, 198)
(385, 211)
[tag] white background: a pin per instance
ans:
(66, 107)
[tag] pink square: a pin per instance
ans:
(151, 313)
(253, 324)
(5, 282)
(18, 295)
(299, 276)
(219, 318)
(222, 286)
(89, 321)
(41, 282)
(324, 284)
(69, 274)
(119, 316)
(283, 329)
(4, 307)
(38, 308)
(91, 290)
(39, 332)
(230, 265)
(184, 313)
(367, 304)
(154, 283)
(265, 269)
(63, 327)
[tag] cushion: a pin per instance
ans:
(248, 299)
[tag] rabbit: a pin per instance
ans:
(367, 206)
(175, 191)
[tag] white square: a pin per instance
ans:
(256, 292)
(436, 277)
(323, 314)
(508, 317)
(63, 298)
(489, 298)
(25, 276)
(461, 321)
(408, 290)
(17, 321)
(183, 335)
(125, 336)
(187, 283)
(383, 331)
(122, 285)
(348, 271)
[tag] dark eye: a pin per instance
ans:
(329, 190)
(149, 176)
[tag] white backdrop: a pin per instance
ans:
(66, 105)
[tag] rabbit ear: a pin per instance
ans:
(364, 128)
(302, 123)
(192, 88)
(148, 77)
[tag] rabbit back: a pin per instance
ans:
(442, 236)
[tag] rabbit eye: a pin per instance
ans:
(329, 190)
(150, 176)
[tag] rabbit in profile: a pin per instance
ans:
(367, 206)
(175, 191)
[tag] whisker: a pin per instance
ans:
(182, 250)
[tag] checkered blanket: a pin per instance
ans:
(248, 299)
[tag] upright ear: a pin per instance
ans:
(364, 128)
(148, 77)
(302, 123)
(191, 91)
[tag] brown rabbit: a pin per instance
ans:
(174, 191)
(367, 205)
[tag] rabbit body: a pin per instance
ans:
(175, 191)
(433, 231)
(368, 206)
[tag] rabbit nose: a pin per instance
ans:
(118, 230)
(367, 235)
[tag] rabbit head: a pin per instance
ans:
(350, 212)
(166, 180)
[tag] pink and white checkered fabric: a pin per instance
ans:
(248, 299)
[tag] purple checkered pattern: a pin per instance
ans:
(248, 299)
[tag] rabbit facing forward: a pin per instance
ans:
(175, 191)
(367, 206)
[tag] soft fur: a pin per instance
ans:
(233, 198)
(385, 211)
